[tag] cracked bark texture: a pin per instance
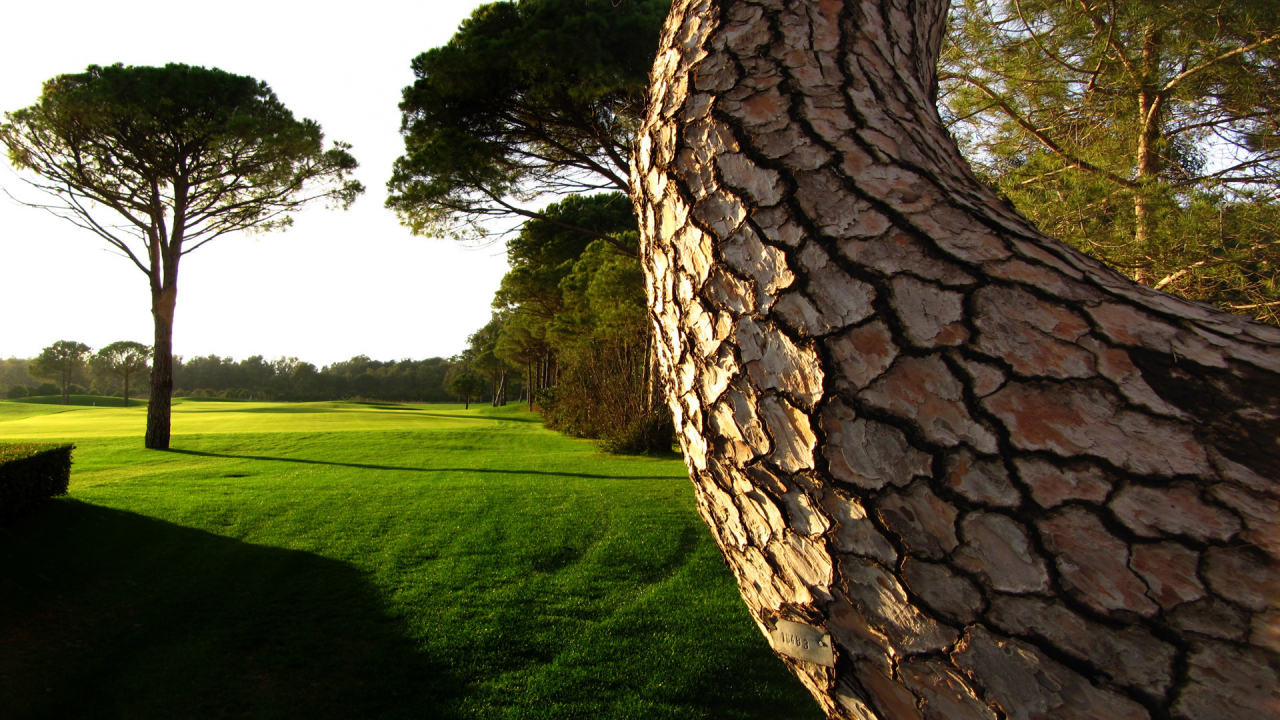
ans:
(1005, 480)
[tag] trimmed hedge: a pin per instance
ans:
(31, 475)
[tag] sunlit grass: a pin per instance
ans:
(341, 560)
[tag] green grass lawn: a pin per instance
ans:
(343, 560)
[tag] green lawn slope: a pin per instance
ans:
(345, 560)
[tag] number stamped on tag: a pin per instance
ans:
(803, 642)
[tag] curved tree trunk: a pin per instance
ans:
(959, 470)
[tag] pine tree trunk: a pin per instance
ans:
(959, 470)
(159, 409)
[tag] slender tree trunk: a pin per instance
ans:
(159, 410)
(126, 389)
(960, 470)
(1148, 160)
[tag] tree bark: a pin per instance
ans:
(159, 409)
(977, 473)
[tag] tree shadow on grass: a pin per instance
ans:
(481, 471)
(107, 614)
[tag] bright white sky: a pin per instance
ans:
(336, 284)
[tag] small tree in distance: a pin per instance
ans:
(466, 385)
(158, 161)
(60, 362)
(121, 359)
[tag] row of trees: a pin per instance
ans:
(71, 367)
(290, 379)
(570, 323)
(112, 370)
(531, 100)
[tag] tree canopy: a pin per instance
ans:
(159, 161)
(1146, 133)
(61, 362)
(178, 154)
(571, 313)
(122, 360)
(529, 98)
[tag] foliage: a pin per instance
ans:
(61, 361)
(1145, 133)
(527, 99)
(13, 371)
(466, 384)
(31, 474)
(45, 389)
(121, 359)
(294, 380)
(602, 343)
(572, 314)
(159, 161)
(182, 154)
(16, 391)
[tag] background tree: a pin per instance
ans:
(13, 371)
(291, 379)
(572, 316)
(1145, 133)
(466, 384)
(121, 360)
(529, 98)
(484, 361)
(60, 362)
(159, 161)
(959, 469)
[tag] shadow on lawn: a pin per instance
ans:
(366, 466)
(107, 614)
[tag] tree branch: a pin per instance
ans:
(1045, 139)
(1212, 61)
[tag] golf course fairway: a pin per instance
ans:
(354, 560)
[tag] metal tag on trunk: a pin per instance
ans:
(803, 642)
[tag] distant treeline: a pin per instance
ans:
(285, 379)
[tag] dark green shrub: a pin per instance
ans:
(650, 433)
(30, 476)
(17, 391)
(46, 389)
